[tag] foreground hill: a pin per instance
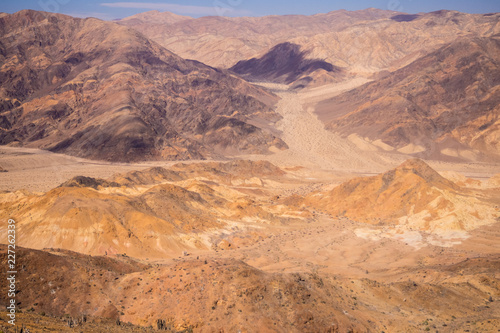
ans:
(414, 196)
(100, 90)
(229, 246)
(444, 104)
(158, 212)
(193, 294)
(152, 213)
(210, 294)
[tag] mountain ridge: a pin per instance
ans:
(99, 90)
(224, 33)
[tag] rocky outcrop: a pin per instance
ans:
(148, 213)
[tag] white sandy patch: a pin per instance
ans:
(362, 143)
(447, 238)
(414, 238)
(411, 149)
(409, 237)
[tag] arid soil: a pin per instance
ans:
(434, 93)
(311, 145)
(304, 277)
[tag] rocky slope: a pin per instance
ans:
(227, 245)
(208, 294)
(100, 90)
(286, 63)
(160, 212)
(444, 104)
(414, 196)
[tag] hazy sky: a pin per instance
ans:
(109, 9)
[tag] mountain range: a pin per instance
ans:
(365, 41)
(195, 243)
(222, 41)
(100, 90)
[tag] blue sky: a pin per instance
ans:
(109, 9)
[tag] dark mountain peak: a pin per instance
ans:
(284, 63)
(286, 47)
(283, 56)
(405, 17)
